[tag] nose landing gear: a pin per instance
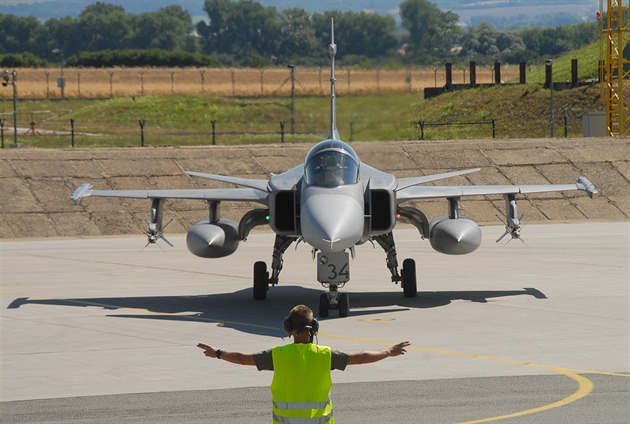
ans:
(333, 272)
(334, 300)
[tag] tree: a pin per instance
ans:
(297, 34)
(19, 34)
(104, 26)
(359, 34)
(485, 44)
(243, 29)
(432, 32)
(549, 42)
(169, 29)
(213, 33)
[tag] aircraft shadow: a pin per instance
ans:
(240, 312)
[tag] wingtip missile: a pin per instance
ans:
(84, 190)
(585, 184)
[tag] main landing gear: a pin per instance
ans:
(407, 276)
(262, 280)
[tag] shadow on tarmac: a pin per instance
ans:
(240, 312)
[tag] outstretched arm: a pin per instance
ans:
(233, 357)
(375, 356)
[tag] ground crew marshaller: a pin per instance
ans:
(301, 371)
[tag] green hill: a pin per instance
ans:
(520, 111)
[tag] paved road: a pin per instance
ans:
(95, 330)
(427, 401)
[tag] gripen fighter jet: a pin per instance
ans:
(333, 202)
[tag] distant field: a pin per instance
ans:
(126, 82)
(187, 119)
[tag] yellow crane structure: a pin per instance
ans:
(614, 27)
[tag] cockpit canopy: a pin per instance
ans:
(331, 163)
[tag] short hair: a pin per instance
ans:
(301, 317)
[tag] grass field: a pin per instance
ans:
(187, 120)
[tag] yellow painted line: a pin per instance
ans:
(585, 386)
(376, 319)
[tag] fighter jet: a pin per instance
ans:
(333, 202)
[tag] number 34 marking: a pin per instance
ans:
(334, 273)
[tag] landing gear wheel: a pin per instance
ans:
(261, 280)
(408, 274)
(324, 305)
(344, 305)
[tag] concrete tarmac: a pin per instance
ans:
(525, 331)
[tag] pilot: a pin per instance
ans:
(330, 170)
(300, 362)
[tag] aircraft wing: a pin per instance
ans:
(212, 194)
(432, 192)
(404, 183)
(262, 185)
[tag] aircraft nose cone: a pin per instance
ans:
(332, 223)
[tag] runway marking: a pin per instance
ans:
(376, 319)
(585, 386)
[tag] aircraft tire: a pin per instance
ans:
(344, 305)
(409, 282)
(261, 280)
(324, 306)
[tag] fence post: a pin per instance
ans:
(449, 76)
(72, 131)
(566, 129)
(497, 73)
(494, 128)
(141, 132)
(214, 131)
(2, 121)
(421, 126)
(282, 132)
(574, 72)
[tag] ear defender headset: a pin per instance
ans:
(312, 326)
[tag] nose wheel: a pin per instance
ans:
(334, 300)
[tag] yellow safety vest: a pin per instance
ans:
(301, 384)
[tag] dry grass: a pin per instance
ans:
(125, 82)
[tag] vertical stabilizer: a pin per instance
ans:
(332, 49)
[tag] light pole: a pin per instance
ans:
(292, 68)
(61, 82)
(5, 81)
(549, 82)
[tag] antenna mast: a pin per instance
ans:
(332, 49)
